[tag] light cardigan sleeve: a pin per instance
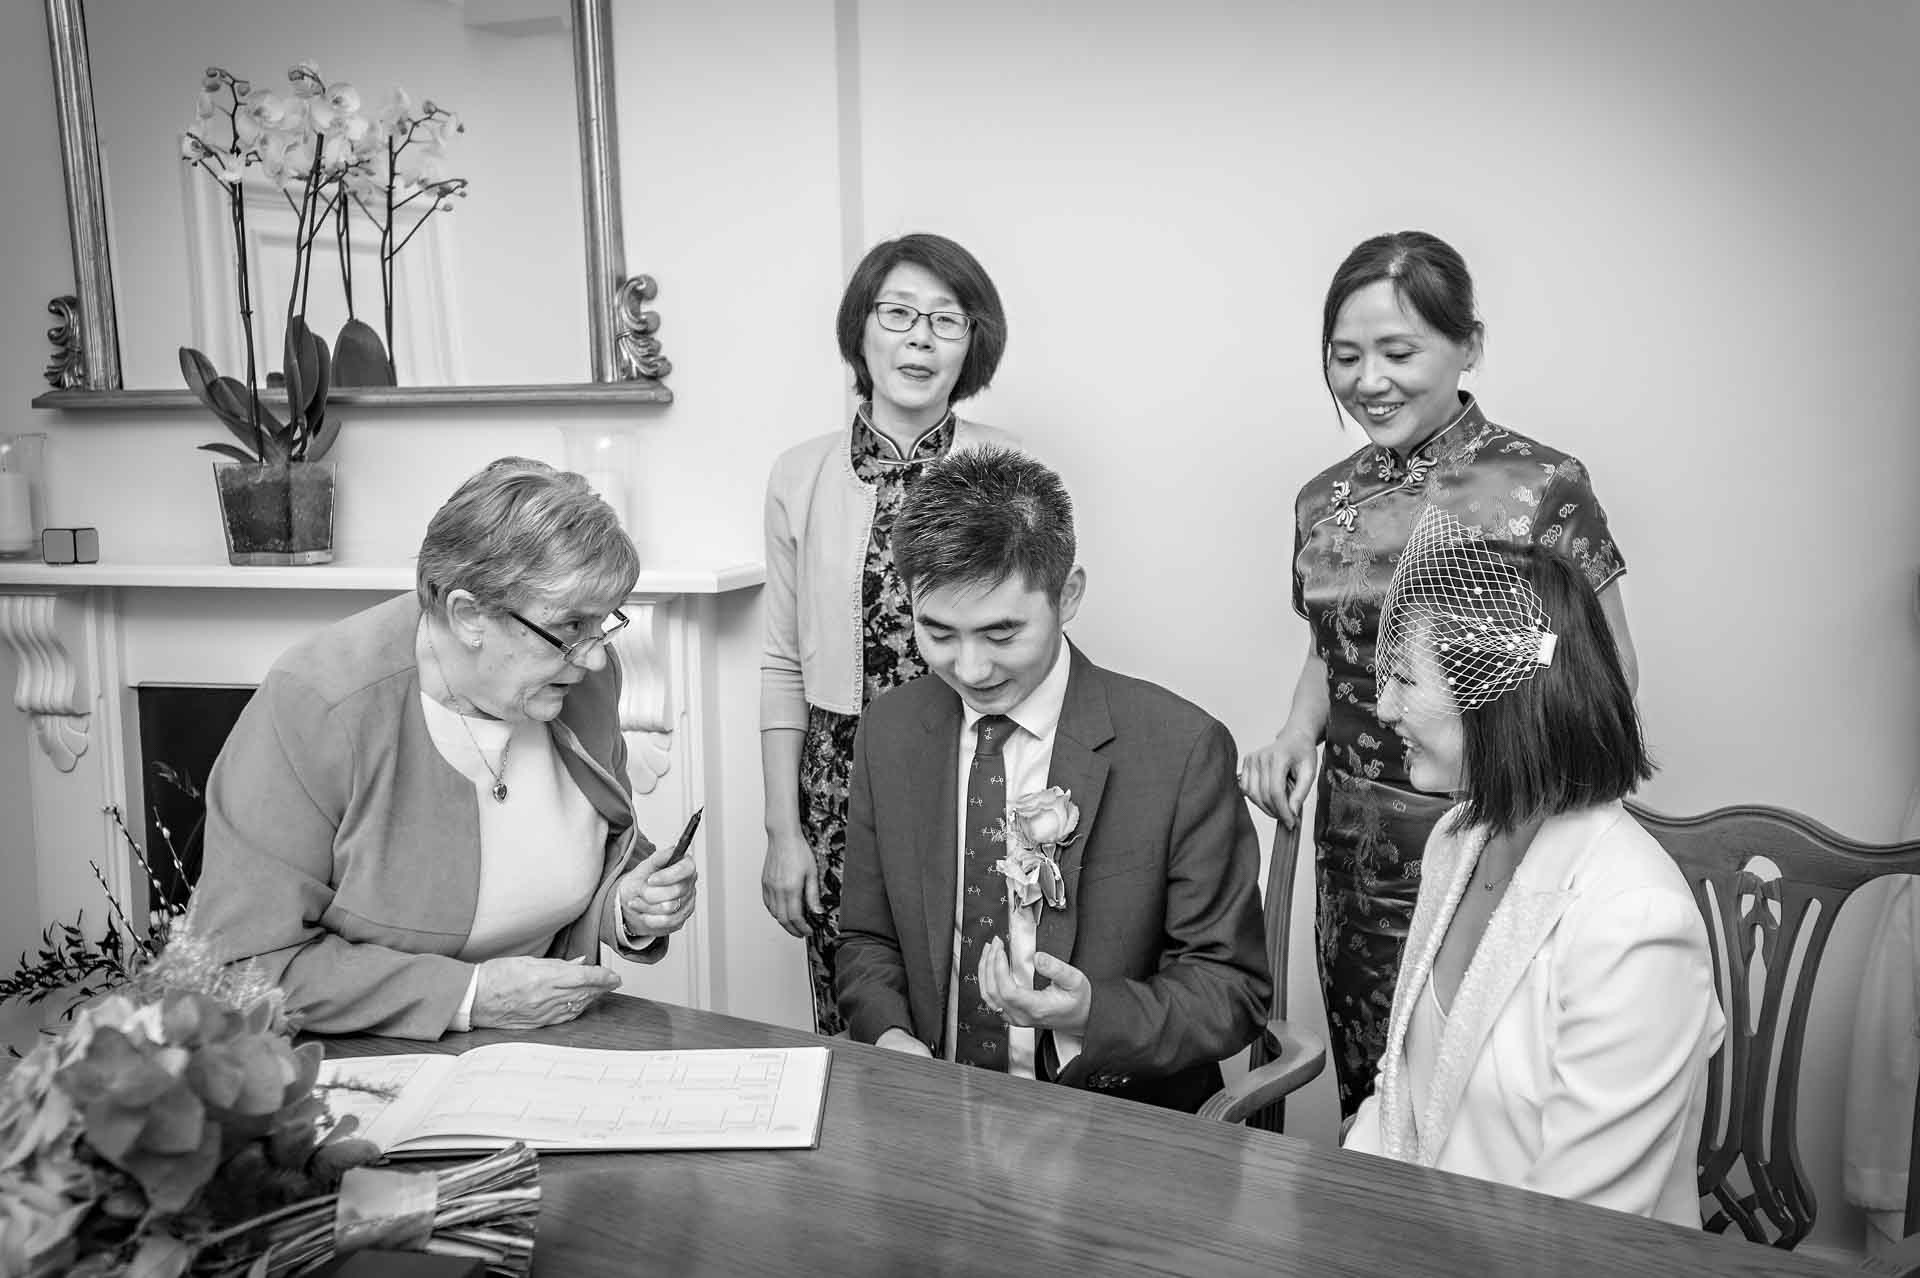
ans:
(274, 802)
(1634, 1005)
(783, 698)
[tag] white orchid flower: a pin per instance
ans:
(397, 114)
(305, 76)
(340, 103)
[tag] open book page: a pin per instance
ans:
(580, 1098)
(410, 1084)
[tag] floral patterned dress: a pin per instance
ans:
(889, 658)
(1351, 523)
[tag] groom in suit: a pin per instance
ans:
(1124, 952)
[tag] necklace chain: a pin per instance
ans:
(499, 775)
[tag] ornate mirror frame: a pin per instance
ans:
(626, 361)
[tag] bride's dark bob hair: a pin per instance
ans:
(1569, 737)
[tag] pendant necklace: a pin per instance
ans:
(499, 775)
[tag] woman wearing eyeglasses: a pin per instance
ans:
(422, 821)
(922, 328)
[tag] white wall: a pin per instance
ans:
(36, 266)
(1691, 226)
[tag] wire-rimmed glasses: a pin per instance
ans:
(586, 645)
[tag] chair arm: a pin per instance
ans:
(1902, 1260)
(1298, 1058)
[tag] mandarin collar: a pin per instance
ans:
(870, 441)
(1457, 436)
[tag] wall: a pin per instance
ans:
(1690, 226)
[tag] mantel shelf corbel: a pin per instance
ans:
(47, 631)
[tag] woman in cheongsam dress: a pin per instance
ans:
(1398, 332)
(922, 327)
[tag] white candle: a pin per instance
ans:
(612, 489)
(16, 513)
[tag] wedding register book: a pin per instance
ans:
(577, 1098)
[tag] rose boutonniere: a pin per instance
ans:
(1034, 829)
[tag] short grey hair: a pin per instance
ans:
(519, 530)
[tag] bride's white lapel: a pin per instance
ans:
(1521, 924)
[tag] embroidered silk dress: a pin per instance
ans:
(889, 658)
(1350, 524)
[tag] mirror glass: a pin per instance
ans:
(489, 292)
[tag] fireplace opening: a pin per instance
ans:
(181, 732)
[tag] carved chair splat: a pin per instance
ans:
(1769, 883)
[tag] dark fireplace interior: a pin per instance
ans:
(181, 732)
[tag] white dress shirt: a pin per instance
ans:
(1028, 754)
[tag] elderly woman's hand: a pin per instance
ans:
(654, 900)
(523, 992)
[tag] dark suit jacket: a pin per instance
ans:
(1163, 909)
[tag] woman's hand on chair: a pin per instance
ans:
(790, 882)
(1279, 776)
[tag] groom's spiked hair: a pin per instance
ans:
(983, 515)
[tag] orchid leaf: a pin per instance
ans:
(296, 397)
(317, 393)
(321, 441)
(229, 451)
(306, 363)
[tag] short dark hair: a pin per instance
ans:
(1569, 737)
(519, 530)
(1428, 274)
(953, 266)
(983, 515)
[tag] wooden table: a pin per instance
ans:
(924, 1168)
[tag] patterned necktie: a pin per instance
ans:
(981, 1037)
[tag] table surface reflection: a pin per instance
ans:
(924, 1168)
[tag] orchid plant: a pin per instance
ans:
(398, 191)
(318, 147)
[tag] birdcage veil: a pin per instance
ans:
(1458, 598)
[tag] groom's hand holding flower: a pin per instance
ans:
(1062, 1006)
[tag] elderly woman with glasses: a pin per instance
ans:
(922, 328)
(422, 821)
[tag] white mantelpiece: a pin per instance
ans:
(86, 636)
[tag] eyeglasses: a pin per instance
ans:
(898, 317)
(586, 645)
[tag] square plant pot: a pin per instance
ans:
(276, 515)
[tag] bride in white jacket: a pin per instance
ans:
(1555, 1011)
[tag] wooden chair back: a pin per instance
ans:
(1769, 883)
(1287, 1056)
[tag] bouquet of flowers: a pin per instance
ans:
(174, 1128)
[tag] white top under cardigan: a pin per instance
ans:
(819, 518)
(1574, 1058)
(540, 849)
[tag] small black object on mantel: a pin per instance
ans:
(70, 545)
(375, 1263)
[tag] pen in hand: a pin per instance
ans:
(686, 839)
